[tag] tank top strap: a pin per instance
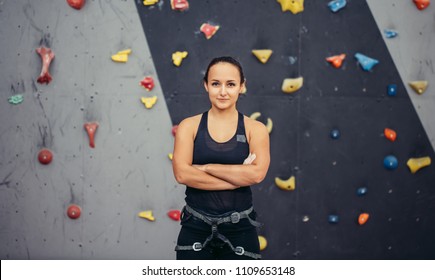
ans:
(203, 122)
(241, 125)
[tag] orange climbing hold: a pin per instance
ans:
(209, 30)
(363, 217)
(76, 4)
(416, 164)
(91, 129)
(179, 5)
(336, 60)
(174, 215)
(421, 4)
(390, 134)
(47, 55)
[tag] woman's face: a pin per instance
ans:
(224, 85)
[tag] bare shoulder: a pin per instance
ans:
(190, 124)
(254, 127)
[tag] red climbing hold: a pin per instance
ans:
(336, 60)
(174, 130)
(421, 4)
(363, 217)
(45, 156)
(74, 211)
(209, 30)
(91, 128)
(390, 134)
(47, 56)
(147, 83)
(179, 5)
(76, 4)
(174, 215)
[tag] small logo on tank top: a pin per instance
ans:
(241, 138)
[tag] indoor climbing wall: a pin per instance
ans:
(343, 117)
(85, 172)
(85, 203)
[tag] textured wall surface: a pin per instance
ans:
(128, 171)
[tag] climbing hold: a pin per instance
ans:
(149, 101)
(45, 156)
(179, 5)
(73, 211)
(294, 6)
(421, 4)
(305, 219)
(209, 30)
(76, 4)
(390, 162)
(286, 185)
(336, 5)
(147, 83)
(366, 62)
(147, 215)
(177, 57)
(262, 55)
(255, 115)
(335, 134)
(170, 156)
(150, 2)
(263, 242)
(269, 125)
(333, 219)
(390, 33)
(47, 55)
(392, 90)
(244, 90)
(174, 215)
(363, 217)
(416, 164)
(121, 56)
(91, 129)
(174, 130)
(292, 85)
(336, 60)
(361, 191)
(390, 134)
(16, 99)
(419, 86)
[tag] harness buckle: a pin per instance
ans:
(214, 229)
(197, 246)
(239, 250)
(235, 217)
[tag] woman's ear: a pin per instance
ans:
(243, 87)
(205, 86)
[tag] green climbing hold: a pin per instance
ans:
(16, 99)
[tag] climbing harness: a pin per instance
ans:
(214, 222)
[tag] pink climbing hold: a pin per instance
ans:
(91, 128)
(179, 5)
(74, 211)
(47, 55)
(174, 215)
(147, 83)
(209, 30)
(174, 130)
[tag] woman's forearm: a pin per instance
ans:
(236, 174)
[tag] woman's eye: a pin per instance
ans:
(214, 84)
(231, 84)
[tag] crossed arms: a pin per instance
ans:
(220, 176)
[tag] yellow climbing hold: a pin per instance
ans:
(294, 6)
(255, 115)
(150, 2)
(149, 101)
(244, 90)
(262, 55)
(147, 215)
(263, 242)
(419, 86)
(416, 164)
(286, 185)
(269, 125)
(292, 85)
(121, 56)
(177, 57)
(170, 156)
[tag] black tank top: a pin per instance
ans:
(234, 151)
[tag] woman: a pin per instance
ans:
(218, 155)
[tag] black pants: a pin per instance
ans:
(195, 230)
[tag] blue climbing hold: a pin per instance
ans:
(336, 5)
(366, 62)
(335, 134)
(392, 90)
(390, 162)
(333, 219)
(390, 33)
(361, 191)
